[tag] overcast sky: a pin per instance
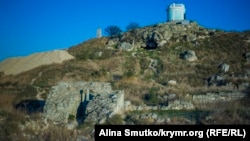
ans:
(28, 26)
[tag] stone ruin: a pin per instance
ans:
(83, 101)
(95, 102)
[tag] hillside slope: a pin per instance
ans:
(157, 65)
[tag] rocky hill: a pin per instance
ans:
(168, 73)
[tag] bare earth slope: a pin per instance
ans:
(20, 64)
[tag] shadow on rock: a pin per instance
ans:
(30, 106)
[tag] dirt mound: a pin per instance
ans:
(20, 64)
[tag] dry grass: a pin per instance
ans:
(57, 133)
(235, 112)
(9, 123)
(6, 100)
(88, 50)
(11, 119)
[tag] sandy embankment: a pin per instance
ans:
(17, 65)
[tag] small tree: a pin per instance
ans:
(112, 30)
(151, 97)
(132, 26)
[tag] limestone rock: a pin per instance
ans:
(189, 55)
(172, 82)
(159, 35)
(224, 67)
(93, 101)
(126, 46)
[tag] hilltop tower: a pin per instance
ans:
(176, 12)
(99, 33)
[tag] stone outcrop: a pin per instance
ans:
(126, 46)
(224, 67)
(83, 100)
(216, 80)
(188, 55)
(159, 35)
(102, 107)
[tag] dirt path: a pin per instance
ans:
(34, 79)
(40, 93)
(38, 89)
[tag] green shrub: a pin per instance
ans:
(129, 73)
(151, 97)
(71, 117)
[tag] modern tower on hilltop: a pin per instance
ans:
(176, 12)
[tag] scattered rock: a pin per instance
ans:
(217, 97)
(188, 55)
(224, 67)
(126, 46)
(172, 82)
(216, 80)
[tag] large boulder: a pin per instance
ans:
(188, 55)
(126, 46)
(224, 67)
